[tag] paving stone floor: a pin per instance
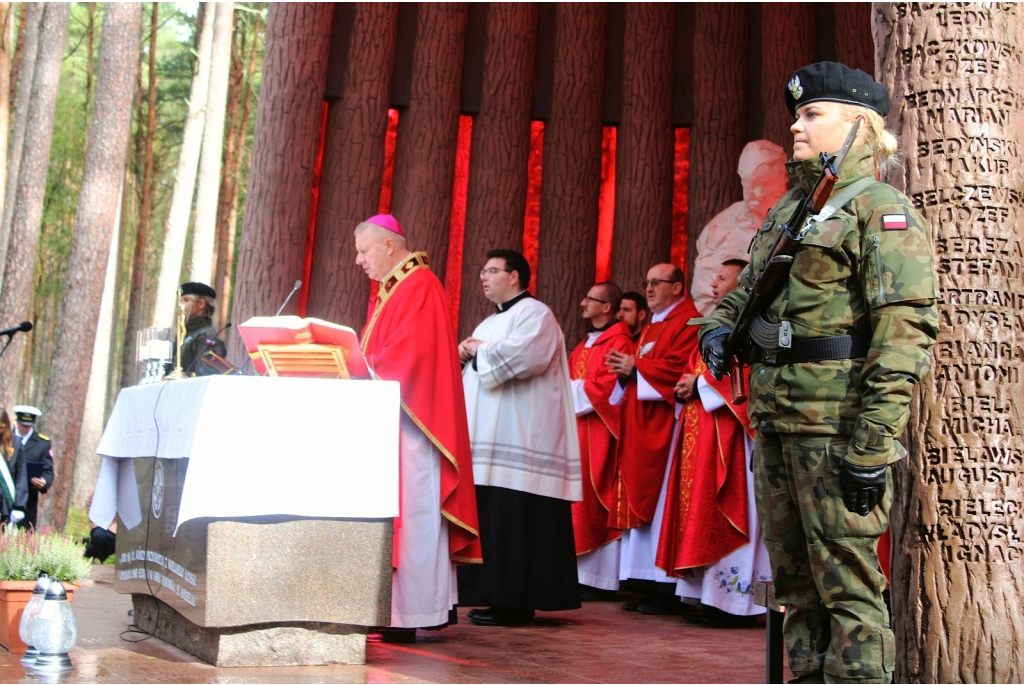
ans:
(599, 643)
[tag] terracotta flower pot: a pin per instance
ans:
(14, 595)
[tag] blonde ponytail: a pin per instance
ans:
(884, 145)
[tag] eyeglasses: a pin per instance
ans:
(594, 299)
(492, 272)
(655, 282)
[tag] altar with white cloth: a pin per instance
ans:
(238, 495)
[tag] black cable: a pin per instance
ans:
(132, 628)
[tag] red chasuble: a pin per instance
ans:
(662, 353)
(705, 515)
(409, 338)
(599, 433)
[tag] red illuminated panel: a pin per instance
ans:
(457, 228)
(606, 205)
(307, 262)
(680, 199)
(531, 223)
(384, 205)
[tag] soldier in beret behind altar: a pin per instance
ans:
(200, 301)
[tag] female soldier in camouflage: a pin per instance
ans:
(835, 357)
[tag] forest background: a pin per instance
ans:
(169, 48)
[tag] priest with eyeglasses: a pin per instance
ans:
(526, 455)
(646, 393)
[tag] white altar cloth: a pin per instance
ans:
(256, 446)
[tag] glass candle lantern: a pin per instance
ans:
(55, 631)
(153, 350)
(28, 618)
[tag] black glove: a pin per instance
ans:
(863, 486)
(712, 350)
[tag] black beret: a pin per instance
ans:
(198, 289)
(835, 82)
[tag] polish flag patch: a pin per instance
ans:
(894, 222)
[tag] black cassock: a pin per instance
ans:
(529, 553)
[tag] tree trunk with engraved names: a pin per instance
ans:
(105, 160)
(428, 130)
(496, 196)
(287, 136)
(954, 75)
(571, 182)
(353, 167)
(645, 146)
(719, 104)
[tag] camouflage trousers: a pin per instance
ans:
(824, 561)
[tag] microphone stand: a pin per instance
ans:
(298, 284)
(209, 343)
(10, 337)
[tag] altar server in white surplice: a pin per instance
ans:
(526, 456)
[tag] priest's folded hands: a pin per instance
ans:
(468, 347)
(686, 387)
(621, 364)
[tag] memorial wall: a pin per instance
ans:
(955, 75)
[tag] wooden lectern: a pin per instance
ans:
(288, 346)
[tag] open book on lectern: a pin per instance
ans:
(306, 348)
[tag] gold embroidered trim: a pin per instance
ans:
(414, 262)
(449, 456)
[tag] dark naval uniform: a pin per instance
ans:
(866, 272)
(35, 449)
(200, 337)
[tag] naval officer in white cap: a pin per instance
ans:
(36, 456)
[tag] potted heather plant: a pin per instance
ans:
(24, 555)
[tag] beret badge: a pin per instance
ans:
(795, 88)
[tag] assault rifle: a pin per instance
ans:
(775, 273)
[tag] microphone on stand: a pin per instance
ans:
(24, 326)
(209, 343)
(295, 288)
(298, 284)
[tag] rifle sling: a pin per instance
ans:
(771, 348)
(843, 198)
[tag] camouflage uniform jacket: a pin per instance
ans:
(856, 274)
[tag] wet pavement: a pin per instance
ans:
(598, 643)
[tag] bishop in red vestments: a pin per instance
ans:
(409, 338)
(597, 422)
